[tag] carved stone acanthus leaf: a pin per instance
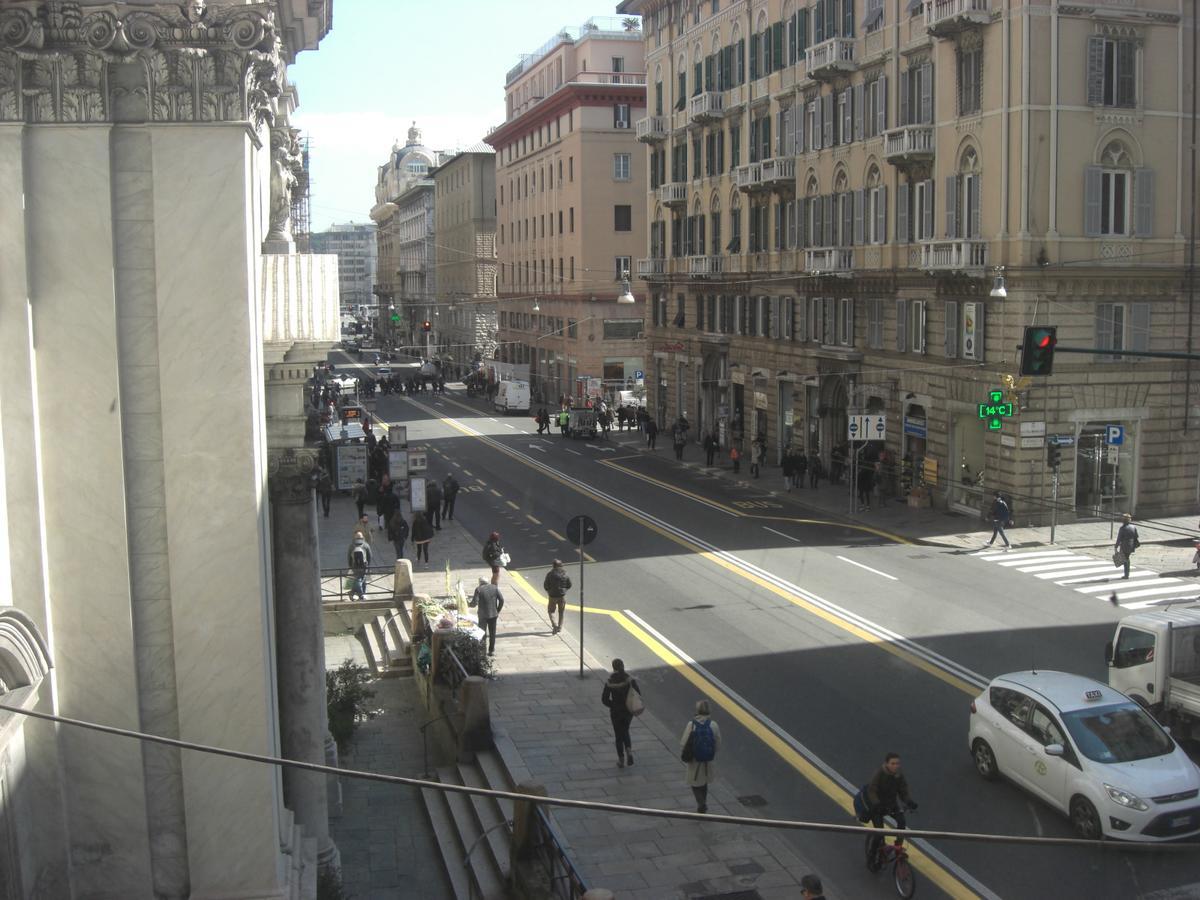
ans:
(199, 62)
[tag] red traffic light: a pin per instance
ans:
(1044, 342)
(427, 325)
(1037, 350)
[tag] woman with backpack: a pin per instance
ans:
(620, 708)
(698, 748)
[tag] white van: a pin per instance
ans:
(512, 396)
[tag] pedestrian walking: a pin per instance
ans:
(616, 697)
(493, 555)
(678, 436)
(433, 503)
(489, 601)
(556, 584)
(815, 469)
(811, 888)
(788, 466)
(758, 452)
(359, 493)
(564, 423)
(398, 529)
(735, 457)
(698, 748)
(324, 489)
(651, 434)
(449, 494)
(363, 528)
(386, 505)
(1127, 542)
(1001, 517)
(357, 560)
(799, 465)
(422, 535)
(710, 448)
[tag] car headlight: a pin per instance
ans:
(1124, 798)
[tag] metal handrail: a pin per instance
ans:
(374, 586)
(553, 856)
(471, 849)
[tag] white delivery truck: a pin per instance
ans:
(1154, 658)
(512, 396)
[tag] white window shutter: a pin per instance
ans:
(905, 78)
(859, 202)
(919, 344)
(1139, 326)
(951, 329)
(830, 213)
(849, 338)
(1092, 176)
(927, 94)
(902, 212)
(829, 337)
(881, 215)
(848, 116)
(976, 210)
(927, 211)
(858, 112)
(902, 325)
(827, 120)
(1104, 326)
(1143, 202)
(1095, 71)
(881, 104)
(952, 206)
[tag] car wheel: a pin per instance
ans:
(985, 760)
(1085, 820)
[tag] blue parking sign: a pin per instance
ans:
(1114, 435)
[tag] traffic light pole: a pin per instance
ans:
(1053, 505)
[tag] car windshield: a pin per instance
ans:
(1119, 733)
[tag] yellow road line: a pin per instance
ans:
(556, 535)
(513, 505)
(588, 557)
(822, 782)
(747, 515)
(533, 520)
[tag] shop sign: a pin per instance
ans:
(669, 346)
(1007, 440)
(1033, 429)
(916, 426)
(1028, 443)
(760, 400)
(929, 471)
(737, 376)
(788, 417)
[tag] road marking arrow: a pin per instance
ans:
(602, 449)
(537, 448)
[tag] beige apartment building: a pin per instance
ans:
(833, 189)
(465, 257)
(571, 199)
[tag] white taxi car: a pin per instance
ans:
(1088, 751)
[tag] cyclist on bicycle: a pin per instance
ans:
(886, 791)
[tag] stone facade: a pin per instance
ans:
(151, 145)
(357, 248)
(833, 189)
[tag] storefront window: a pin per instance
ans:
(969, 461)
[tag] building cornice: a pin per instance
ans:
(570, 96)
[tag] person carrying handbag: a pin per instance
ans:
(618, 697)
(698, 748)
(1127, 542)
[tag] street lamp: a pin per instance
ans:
(536, 308)
(626, 295)
(998, 291)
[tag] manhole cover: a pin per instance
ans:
(753, 800)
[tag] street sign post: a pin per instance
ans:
(581, 530)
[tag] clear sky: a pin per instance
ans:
(386, 63)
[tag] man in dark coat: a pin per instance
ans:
(433, 502)
(449, 494)
(556, 584)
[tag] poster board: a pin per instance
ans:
(398, 464)
(350, 464)
(416, 494)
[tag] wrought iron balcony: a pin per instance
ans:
(706, 107)
(829, 259)
(651, 129)
(830, 59)
(673, 193)
(946, 18)
(651, 268)
(958, 255)
(748, 178)
(704, 266)
(912, 143)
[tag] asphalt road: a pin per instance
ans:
(834, 644)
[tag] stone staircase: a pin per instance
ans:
(385, 640)
(480, 826)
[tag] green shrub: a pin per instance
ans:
(346, 697)
(470, 652)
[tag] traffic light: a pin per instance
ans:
(1053, 456)
(427, 325)
(1037, 350)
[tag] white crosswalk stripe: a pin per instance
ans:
(1094, 577)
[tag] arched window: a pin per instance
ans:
(1115, 178)
(658, 91)
(843, 211)
(681, 82)
(658, 235)
(875, 208)
(968, 195)
(714, 226)
(697, 69)
(810, 214)
(693, 238)
(735, 225)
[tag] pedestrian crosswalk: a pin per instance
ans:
(1094, 577)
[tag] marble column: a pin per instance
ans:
(300, 643)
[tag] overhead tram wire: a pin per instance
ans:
(597, 806)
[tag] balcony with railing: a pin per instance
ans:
(958, 255)
(946, 18)
(655, 267)
(779, 173)
(830, 59)
(673, 193)
(705, 266)
(828, 260)
(912, 143)
(749, 177)
(651, 129)
(706, 107)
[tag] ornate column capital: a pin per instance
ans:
(118, 62)
(290, 474)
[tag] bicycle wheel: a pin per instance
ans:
(906, 881)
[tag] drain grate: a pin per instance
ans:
(753, 800)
